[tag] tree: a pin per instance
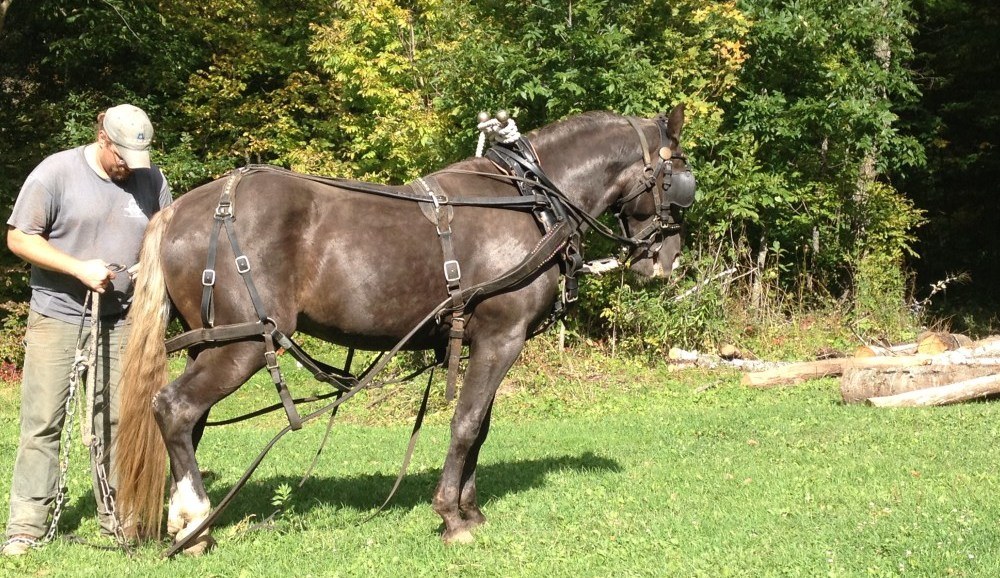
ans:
(814, 120)
(958, 118)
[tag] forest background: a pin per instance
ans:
(846, 152)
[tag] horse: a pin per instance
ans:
(360, 265)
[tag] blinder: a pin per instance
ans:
(673, 191)
(680, 191)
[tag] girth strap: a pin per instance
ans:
(442, 216)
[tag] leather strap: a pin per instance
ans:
(224, 218)
(442, 216)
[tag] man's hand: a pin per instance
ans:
(95, 274)
(37, 250)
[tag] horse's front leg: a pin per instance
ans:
(468, 503)
(490, 358)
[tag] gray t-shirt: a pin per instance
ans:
(88, 217)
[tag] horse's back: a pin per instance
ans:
(351, 267)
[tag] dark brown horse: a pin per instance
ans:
(361, 266)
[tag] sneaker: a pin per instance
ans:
(18, 545)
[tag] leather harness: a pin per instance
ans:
(558, 218)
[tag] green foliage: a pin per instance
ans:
(792, 110)
(815, 103)
(13, 318)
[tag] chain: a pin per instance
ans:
(85, 364)
(79, 366)
(107, 494)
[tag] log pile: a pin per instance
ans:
(938, 369)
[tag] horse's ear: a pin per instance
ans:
(675, 121)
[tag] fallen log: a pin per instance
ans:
(979, 353)
(932, 342)
(878, 350)
(858, 384)
(942, 395)
(799, 372)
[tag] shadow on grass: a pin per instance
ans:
(366, 492)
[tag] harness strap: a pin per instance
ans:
(342, 380)
(453, 280)
(87, 433)
(243, 268)
(528, 164)
(271, 359)
(224, 211)
(219, 334)
(521, 160)
(224, 217)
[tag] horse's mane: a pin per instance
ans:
(583, 121)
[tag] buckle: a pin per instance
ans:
(208, 277)
(224, 210)
(452, 271)
(242, 265)
(271, 360)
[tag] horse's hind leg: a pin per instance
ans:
(490, 359)
(179, 407)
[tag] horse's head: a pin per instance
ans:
(651, 212)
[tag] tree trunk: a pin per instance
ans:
(798, 372)
(4, 5)
(943, 395)
(861, 383)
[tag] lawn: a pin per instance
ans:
(594, 467)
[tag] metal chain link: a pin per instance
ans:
(79, 366)
(107, 494)
(84, 364)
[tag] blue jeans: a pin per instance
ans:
(50, 350)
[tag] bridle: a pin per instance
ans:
(672, 191)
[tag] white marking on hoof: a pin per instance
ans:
(186, 509)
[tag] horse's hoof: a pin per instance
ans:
(459, 537)
(200, 545)
(474, 518)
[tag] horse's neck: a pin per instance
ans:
(588, 165)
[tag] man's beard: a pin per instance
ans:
(119, 174)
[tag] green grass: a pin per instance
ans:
(594, 467)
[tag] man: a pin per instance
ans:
(78, 220)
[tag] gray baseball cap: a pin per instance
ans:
(129, 128)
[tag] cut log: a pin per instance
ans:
(799, 372)
(876, 350)
(932, 342)
(861, 383)
(942, 395)
(729, 351)
(985, 352)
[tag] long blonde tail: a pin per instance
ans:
(141, 455)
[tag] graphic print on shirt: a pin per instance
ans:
(133, 211)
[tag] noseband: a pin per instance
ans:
(673, 192)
